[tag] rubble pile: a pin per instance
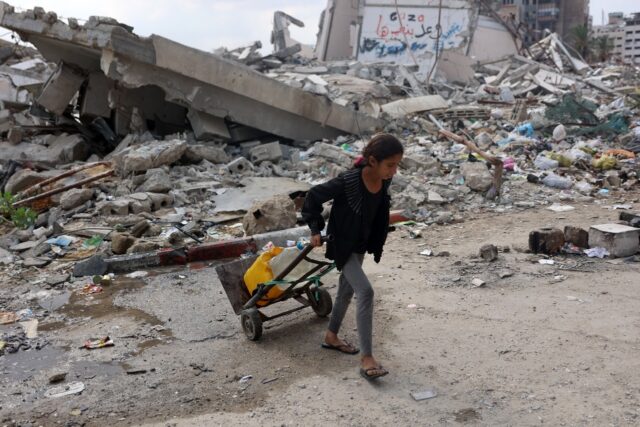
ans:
(115, 176)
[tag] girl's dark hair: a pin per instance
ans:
(381, 146)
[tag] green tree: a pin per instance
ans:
(603, 46)
(579, 38)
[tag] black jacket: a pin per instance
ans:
(345, 221)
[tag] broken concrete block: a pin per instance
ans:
(152, 155)
(476, 176)
(206, 126)
(576, 236)
(115, 207)
(632, 218)
(271, 152)
(140, 202)
(95, 99)
(619, 240)
(62, 85)
(333, 153)
(75, 197)
(546, 240)
(68, 148)
(276, 213)
(142, 246)
(239, 166)
(121, 242)
(160, 201)
(435, 198)
(197, 153)
(403, 107)
(489, 253)
(15, 135)
(156, 181)
(23, 179)
(140, 228)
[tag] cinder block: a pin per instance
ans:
(240, 166)
(546, 240)
(266, 152)
(577, 236)
(619, 240)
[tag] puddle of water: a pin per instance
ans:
(55, 302)
(86, 370)
(22, 365)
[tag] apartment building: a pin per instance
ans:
(558, 16)
(625, 35)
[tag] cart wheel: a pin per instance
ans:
(251, 324)
(321, 302)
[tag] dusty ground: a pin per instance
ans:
(552, 344)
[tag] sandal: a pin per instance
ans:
(346, 348)
(373, 373)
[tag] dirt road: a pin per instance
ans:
(545, 344)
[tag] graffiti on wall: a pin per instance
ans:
(399, 35)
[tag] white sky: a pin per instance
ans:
(203, 24)
(209, 24)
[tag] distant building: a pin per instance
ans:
(624, 34)
(537, 16)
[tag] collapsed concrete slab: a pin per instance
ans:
(188, 78)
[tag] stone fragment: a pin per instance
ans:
(197, 153)
(142, 246)
(275, 213)
(36, 262)
(546, 240)
(21, 247)
(435, 198)
(151, 155)
(332, 153)
(23, 179)
(156, 181)
(476, 176)
(56, 279)
(489, 253)
(75, 197)
(115, 207)
(620, 240)
(121, 242)
(576, 236)
(140, 228)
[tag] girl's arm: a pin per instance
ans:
(319, 194)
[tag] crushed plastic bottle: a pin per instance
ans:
(544, 163)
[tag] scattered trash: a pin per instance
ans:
(90, 289)
(426, 252)
(94, 343)
(8, 317)
(65, 390)
(546, 262)
(560, 208)
(597, 252)
(424, 394)
(245, 379)
(477, 283)
(137, 274)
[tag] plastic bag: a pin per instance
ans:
(544, 163)
(556, 181)
(260, 272)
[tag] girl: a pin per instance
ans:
(358, 223)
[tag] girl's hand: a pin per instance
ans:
(316, 240)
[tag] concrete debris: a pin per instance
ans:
(619, 240)
(276, 213)
(209, 140)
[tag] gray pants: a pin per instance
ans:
(353, 280)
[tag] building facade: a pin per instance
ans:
(535, 17)
(624, 34)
